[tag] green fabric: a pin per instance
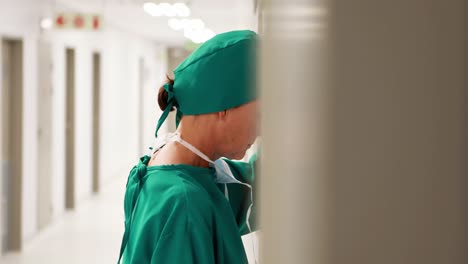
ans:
(219, 75)
(178, 214)
(239, 195)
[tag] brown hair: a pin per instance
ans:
(163, 95)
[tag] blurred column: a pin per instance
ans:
(364, 132)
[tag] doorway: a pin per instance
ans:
(70, 129)
(96, 120)
(11, 144)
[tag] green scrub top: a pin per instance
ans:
(179, 214)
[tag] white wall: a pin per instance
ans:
(120, 54)
(19, 20)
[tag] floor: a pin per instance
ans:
(91, 234)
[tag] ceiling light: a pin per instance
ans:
(153, 9)
(167, 9)
(181, 10)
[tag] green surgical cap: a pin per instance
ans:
(219, 75)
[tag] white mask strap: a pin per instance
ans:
(176, 137)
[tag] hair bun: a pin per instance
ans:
(163, 95)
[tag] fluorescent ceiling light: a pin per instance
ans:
(181, 10)
(153, 9)
(166, 9)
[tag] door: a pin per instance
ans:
(11, 144)
(96, 120)
(70, 129)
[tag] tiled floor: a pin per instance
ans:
(92, 234)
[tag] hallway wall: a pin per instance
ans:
(120, 54)
(19, 20)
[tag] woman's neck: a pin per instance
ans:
(198, 136)
(197, 133)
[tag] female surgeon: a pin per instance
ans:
(189, 202)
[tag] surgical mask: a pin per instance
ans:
(223, 172)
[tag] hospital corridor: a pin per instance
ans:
(233, 131)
